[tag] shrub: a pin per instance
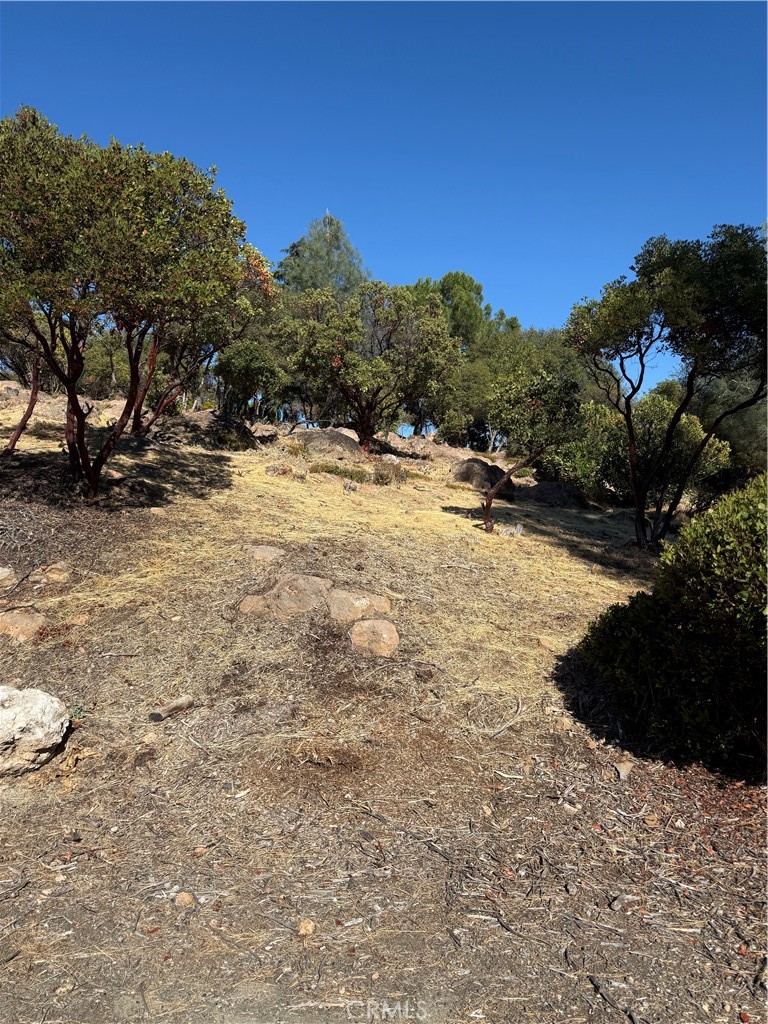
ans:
(355, 473)
(684, 667)
(386, 473)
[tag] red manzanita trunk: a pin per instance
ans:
(34, 392)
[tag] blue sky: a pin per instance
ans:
(535, 146)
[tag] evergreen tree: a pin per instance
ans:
(323, 258)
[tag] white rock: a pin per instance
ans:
(32, 725)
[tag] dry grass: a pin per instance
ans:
(453, 835)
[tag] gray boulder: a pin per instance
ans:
(332, 444)
(482, 476)
(32, 725)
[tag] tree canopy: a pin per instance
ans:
(704, 302)
(114, 238)
(323, 258)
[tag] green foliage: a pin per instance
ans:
(702, 301)
(684, 667)
(249, 370)
(368, 357)
(652, 416)
(580, 461)
(745, 431)
(535, 411)
(117, 238)
(323, 258)
(106, 371)
(716, 570)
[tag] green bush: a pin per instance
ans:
(684, 667)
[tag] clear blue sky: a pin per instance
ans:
(535, 146)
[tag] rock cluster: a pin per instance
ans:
(295, 595)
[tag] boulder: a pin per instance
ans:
(264, 433)
(482, 476)
(32, 726)
(332, 444)
(345, 606)
(375, 638)
(264, 552)
(20, 623)
(349, 433)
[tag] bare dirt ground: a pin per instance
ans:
(325, 837)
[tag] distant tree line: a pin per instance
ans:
(125, 274)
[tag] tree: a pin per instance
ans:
(380, 350)
(112, 238)
(323, 258)
(536, 412)
(703, 302)
(651, 418)
(745, 431)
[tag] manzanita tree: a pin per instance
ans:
(377, 352)
(536, 412)
(113, 238)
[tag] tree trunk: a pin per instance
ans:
(34, 391)
(491, 494)
(138, 426)
(75, 464)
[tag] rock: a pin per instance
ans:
(306, 927)
(8, 578)
(376, 637)
(32, 725)
(185, 900)
(345, 606)
(264, 433)
(264, 552)
(349, 433)
(332, 444)
(57, 573)
(551, 644)
(291, 596)
(296, 595)
(390, 458)
(20, 624)
(482, 476)
(254, 604)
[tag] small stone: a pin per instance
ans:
(185, 900)
(624, 769)
(345, 606)
(297, 595)
(264, 552)
(254, 604)
(306, 928)
(57, 573)
(376, 637)
(8, 578)
(550, 644)
(32, 725)
(20, 624)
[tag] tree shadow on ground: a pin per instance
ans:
(607, 716)
(598, 537)
(142, 474)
